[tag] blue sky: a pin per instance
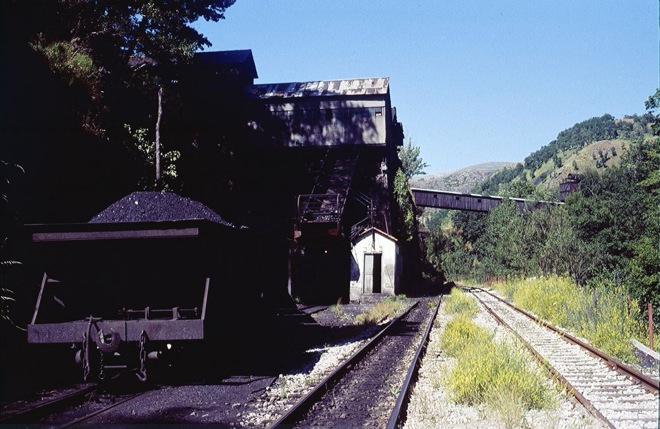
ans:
(472, 81)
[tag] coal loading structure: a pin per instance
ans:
(342, 136)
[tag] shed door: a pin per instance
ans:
(372, 268)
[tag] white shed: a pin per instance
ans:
(375, 264)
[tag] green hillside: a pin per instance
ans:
(592, 145)
(594, 156)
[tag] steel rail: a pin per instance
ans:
(399, 413)
(32, 414)
(562, 380)
(650, 384)
(96, 413)
(305, 403)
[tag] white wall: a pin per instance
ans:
(374, 242)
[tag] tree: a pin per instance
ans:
(502, 246)
(411, 161)
(406, 220)
(109, 50)
(652, 104)
(643, 266)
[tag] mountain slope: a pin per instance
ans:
(592, 145)
(462, 180)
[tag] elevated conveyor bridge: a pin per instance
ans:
(471, 202)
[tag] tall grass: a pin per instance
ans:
(460, 303)
(488, 372)
(603, 316)
(461, 331)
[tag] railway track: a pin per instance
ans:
(613, 392)
(31, 412)
(72, 406)
(372, 387)
(207, 400)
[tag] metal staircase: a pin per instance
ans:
(327, 201)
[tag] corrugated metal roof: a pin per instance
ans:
(324, 88)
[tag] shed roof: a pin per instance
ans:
(323, 88)
(373, 229)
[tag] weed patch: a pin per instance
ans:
(459, 302)
(462, 332)
(387, 308)
(487, 372)
(599, 314)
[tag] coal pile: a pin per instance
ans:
(157, 207)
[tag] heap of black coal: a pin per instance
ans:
(157, 207)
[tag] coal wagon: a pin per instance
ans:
(124, 287)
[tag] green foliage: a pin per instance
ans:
(451, 250)
(504, 176)
(643, 266)
(489, 372)
(652, 104)
(572, 150)
(405, 211)
(147, 150)
(502, 247)
(106, 47)
(411, 161)
(616, 214)
(461, 331)
(73, 63)
(445, 251)
(609, 228)
(508, 243)
(578, 136)
(339, 312)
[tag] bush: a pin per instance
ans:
(554, 299)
